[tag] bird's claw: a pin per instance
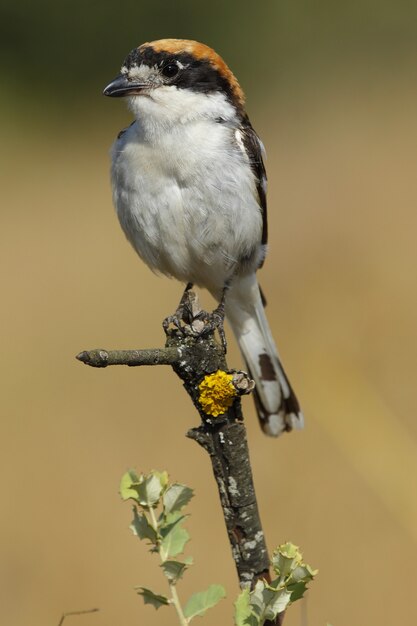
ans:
(215, 321)
(189, 320)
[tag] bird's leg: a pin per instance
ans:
(217, 318)
(218, 315)
(182, 314)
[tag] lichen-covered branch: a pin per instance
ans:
(229, 455)
(199, 360)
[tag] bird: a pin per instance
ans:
(189, 188)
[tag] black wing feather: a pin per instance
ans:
(254, 148)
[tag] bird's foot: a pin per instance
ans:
(215, 321)
(190, 320)
(185, 318)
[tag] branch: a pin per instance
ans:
(229, 457)
(154, 356)
(196, 357)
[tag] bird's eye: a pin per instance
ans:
(170, 70)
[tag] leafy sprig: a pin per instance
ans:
(253, 608)
(158, 520)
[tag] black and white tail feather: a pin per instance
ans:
(276, 404)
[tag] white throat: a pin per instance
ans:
(169, 106)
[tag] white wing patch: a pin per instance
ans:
(239, 139)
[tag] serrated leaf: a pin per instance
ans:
(257, 600)
(174, 570)
(176, 497)
(165, 527)
(149, 491)
(277, 603)
(243, 608)
(297, 590)
(165, 521)
(141, 527)
(267, 601)
(126, 489)
(149, 597)
(290, 551)
(304, 573)
(174, 541)
(162, 477)
(285, 559)
(200, 602)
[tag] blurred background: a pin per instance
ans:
(331, 89)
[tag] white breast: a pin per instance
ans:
(186, 199)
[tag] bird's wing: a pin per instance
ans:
(256, 152)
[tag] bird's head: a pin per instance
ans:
(177, 79)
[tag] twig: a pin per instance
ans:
(193, 353)
(155, 356)
(69, 613)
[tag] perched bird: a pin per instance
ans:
(189, 186)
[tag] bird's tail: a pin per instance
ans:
(276, 403)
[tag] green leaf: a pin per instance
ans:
(149, 491)
(149, 597)
(141, 527)
(290, 551)
(297, 582)
(285, 559)
(303, 573)
(257, 600)
(174, 570)
(276, 603)
(243, 608)
(200, 602)
(129, 479)
(267, 600)
(162, 477)
(165, 521)
(174, 541)
(165, 526)
(297, 590)
(145, 490)
(176, 497)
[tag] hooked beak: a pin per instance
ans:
(121, 86)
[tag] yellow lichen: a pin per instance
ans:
(216, 393)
